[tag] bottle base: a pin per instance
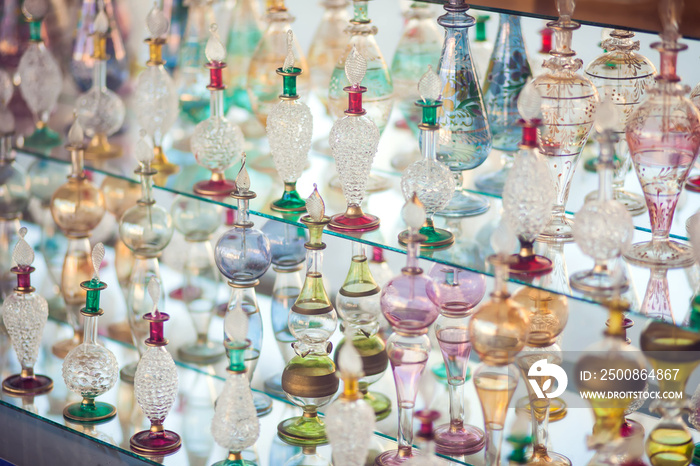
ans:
(465, 204)
(667, 254)
(80, 413)
(465, 441)
(152, 443)
(598, 283)
(21, 386)
(201, 353)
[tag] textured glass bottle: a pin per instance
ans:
(622, 75)
(569, 101)
(216, 143)
(24, 315)
(197, 221)
(155, 95)
(309, 379)
(145, 229)
(40, 79)
(155, 384)
(663, 135)
(465, 134)
(100, 111)
(380, 90)
(289, 129)
(90, 369)
(243, 256)
(409, 303)
(263, 90)
(77, 207)
(508, 71)
(245, 32)
(429, 179)
(353, 140)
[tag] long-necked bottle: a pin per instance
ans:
(508, 71)
(245, 32)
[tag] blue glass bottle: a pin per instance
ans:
(505, 77)
(465, 135)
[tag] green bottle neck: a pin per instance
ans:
(481, 28)
(35, 31)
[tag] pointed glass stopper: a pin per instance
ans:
(215, 51)
(236, 325)
(143, 151)
(565, 9)
(670, 11)
(288, 66)
(413, 214)
(606, 117)
(243, 179)
(429, 86)
(154, 293)
(23, 253)
(315, 206)
(76, 135)
(156, 22)
(98, 255)
(529, 102)
(101, 23)
(349, 359)
(355, 67)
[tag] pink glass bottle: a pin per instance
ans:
(409, 303)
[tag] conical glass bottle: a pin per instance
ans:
(663, 135)
(77, 207)
(465, 133)
(481, 47)
(262, 84)
(41, 79)
(508, 71)
(378, 100)
(569, 101)
(622, 75)
(245, 32)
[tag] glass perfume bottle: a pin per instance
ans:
(464, 140)
(327, 47)
(289, 129)
(243, 255)
(245, 32)
(410, 303)
(77, 207)
(426, 435)
(481, 48)
(197, 221)
(353, 140)
(288, 254)
(429, 179)
(350, 419)
(520, 438)
(569, 102)
(24, 314)
(663, 135)
(90, 369)
(622, 75)
(145, 229)
(612, 353)
(100, 111)
(498, 330)
(155, 94)
(528, 194)
(668, 347)
(357, 303)
(460, 291)
(693, 182)
(40, 79)
(419, 47)
(379, 98)
(508, 72)
(155, 384)
(603, 227)
(263, 90)
(309, 379)
(235, 425)
(542, 55)
(216, 143)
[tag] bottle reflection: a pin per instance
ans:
(657, 299)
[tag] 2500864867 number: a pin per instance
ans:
(639, 374)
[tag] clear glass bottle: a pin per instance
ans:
(77, 207)
(309, 379)
(146, 229)
(245, 32)
(217, 143)
(409, 303)
(481, 48)
(353, 140)
(90, 369)
(380, 90)
(24, 314)
(40, 79)
(197, 221)
(465, 133)
(155, 385)
(569, 101)
(289, 130)
(622, 75)
(100, 111)
(429, 179)
(155, 95)
(508, 72)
